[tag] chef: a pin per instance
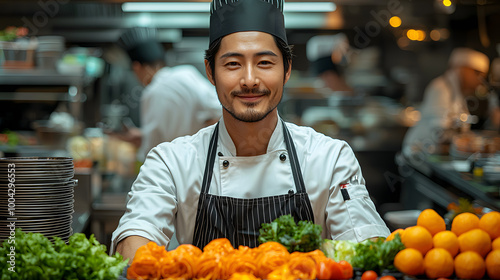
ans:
(453, 103)
(251, 167)
(328, 57)
(176, 101)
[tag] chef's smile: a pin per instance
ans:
(250, 97)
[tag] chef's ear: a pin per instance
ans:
(208, 70)
(288, 72)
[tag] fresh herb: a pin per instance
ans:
(37, 257)
(377, 254)
(305, 236)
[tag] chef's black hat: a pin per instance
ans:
(142, 45)
(230, 16)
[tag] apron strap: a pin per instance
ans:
(209, 165)
(294, 162)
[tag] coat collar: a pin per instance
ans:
(227, 147)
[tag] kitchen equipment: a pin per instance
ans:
(49, 51)
(38, 194)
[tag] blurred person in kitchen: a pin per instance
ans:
(176, 101)
(455, 102)
(328, 57)
(251, 167)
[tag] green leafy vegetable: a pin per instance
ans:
(377, 254)
(36, 257)
(302, 237)
(339, 250)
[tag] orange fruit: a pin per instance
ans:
(438, 262)
(417, 237)
(490, 222)
(409, 261)
(495, 244)
(469, 265)
(431, 220)
(464, 222)
(476, 240)
(393, 234)
(446, 240)
(493, 264)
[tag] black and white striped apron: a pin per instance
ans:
(239, 220)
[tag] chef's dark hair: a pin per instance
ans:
(286, 51)
(142, 45)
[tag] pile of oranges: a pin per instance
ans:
(470, 250)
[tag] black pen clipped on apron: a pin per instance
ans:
(239, 220)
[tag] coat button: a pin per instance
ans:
(225, 163)
(282, 157)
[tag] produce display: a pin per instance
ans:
(469, 250)
(34, 256)
(219, 260)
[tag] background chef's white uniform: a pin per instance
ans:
(440, 111)
(443, 104)
(176, 103)
(165, 195)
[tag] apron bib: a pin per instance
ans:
(238, 219)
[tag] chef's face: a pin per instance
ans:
(249, 75)
(470, 80)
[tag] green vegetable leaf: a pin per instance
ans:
(302, 237)
(377, 254)
(37, 257)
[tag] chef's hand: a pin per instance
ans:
(128, 246)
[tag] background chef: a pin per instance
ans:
(176, 101)
(251, 167)
(453, 103)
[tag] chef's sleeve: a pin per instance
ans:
(151, 205)
(351, 214)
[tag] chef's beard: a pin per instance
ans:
(251, 115)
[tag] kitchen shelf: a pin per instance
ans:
(34, 96)
(41, 85)
(39, 77)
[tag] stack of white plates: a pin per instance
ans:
(36, 195)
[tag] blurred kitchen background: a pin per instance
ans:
(63, 80)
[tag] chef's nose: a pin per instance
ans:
(250, 79)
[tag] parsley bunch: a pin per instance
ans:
(302, 237)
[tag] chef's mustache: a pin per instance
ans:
(251, 91)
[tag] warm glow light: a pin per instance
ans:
(395, 21)
(421, 35)
(412, 34)
(403, 42)
(445, 33)
(463, 117)
(435, 35)
(447, 3)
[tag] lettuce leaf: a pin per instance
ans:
(37, 257)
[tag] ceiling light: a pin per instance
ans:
(205, 7)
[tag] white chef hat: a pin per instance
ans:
(324, 45)
(470, 58)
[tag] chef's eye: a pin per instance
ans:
(231, 64)
(266, 64)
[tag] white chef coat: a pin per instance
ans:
(440, 111)
(165, 195)
(176, 103)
